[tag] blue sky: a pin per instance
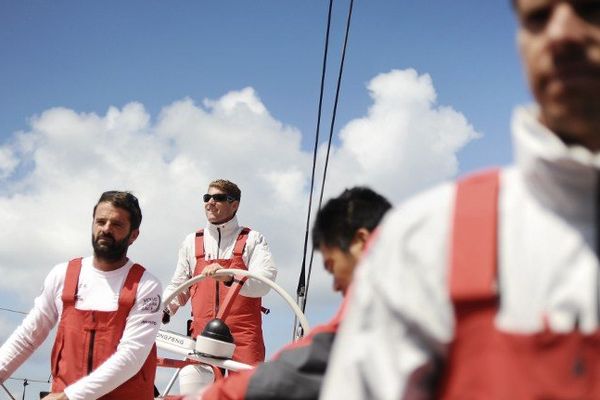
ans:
(162, 97)
(88, 56)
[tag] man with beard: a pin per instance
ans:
(108, 313)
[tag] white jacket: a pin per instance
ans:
(219, 241)
(400, 318)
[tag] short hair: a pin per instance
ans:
(228, 187)
(339, 219)
(126, 201)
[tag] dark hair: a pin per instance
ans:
(341, 217)
(126, 201)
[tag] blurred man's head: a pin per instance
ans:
(559, 41)
(342, 228)
(222, 201)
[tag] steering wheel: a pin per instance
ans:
(229, 364)
(240, 272)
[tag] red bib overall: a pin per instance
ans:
(244, 319)
(86, 338)
(485, 362)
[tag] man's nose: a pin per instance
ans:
(565, 25)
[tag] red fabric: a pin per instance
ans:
(244, 318)
(230, 297)
(233, 387)
(475, 215)
(85, 339)
(484, 362)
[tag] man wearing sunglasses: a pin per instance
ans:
(223, 243)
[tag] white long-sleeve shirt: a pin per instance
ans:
(97, 290)
(219, 242)
(400, 318)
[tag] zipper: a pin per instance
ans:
(90, 359)
(217, 282)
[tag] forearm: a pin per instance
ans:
(180, 300)
(26, 338)
(260, 262)
(183, 272)
(19, 347)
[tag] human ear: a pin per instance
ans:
(359, 241)
(133, 235)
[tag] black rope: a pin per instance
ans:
(7, 391)
(301, 289)
(13, 311)
(29, 380)
(335, 104)
(25, 383)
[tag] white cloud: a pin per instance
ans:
(66, 159)
(405, 142)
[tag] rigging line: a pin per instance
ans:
(7, 392)
(29, 380)
(335, 105)
(301, 290)
(13, 311)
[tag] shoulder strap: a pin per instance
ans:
(474, 247)
(199, 245)
(129, 290)
(69, 292)
(240, 242)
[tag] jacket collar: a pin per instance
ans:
(227, 228)
(564, 178)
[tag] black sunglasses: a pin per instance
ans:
(218, 197)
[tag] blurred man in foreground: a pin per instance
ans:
(489, 288)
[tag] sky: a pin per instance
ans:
(160, 98)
